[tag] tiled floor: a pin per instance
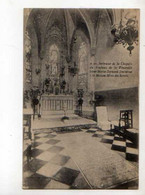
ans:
(118, 143)
(50, 166)
(53, 165)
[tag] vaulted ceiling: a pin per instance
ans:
(67, 21)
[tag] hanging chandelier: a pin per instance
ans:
(126, 33)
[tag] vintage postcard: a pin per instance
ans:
(80, 98)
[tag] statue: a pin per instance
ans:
(53, 62)
(47, 85)
(62, 86)
(56, 87)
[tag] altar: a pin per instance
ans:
(56, 104)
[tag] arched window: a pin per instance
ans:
(82, 57)
(53, 59)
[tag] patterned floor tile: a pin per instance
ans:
(46, 156)
(130, 145)
(49, 170)
(34, 165)
(35, 144)
(59, 159)
(42, 139)
(36, 181)
(49, 136)
(107, 139)
(70, 164)
(60, 144)
(119, 138)
(132, 154)
(110, 133)
(119, 145)
(128, 141)
(66, 175)
(99, 134)
(56, 185)
(55, 149)
(52, 141)
(41, 135)
(27, 173)
(35, 152)
(44, 146)
(80, 183)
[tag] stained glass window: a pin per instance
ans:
(82, 55)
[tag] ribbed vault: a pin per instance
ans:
(68, 21)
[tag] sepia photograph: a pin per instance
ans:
(80, 98)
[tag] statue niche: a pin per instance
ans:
(54, 82)
(53, 63)
(53, 60)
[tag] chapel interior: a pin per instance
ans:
(80, 131)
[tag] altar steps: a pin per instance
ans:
(58, 116)
(55, 122)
